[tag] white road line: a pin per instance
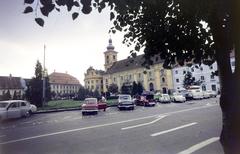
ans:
(97, 126)
(144, 124)
(173, 129)
(72, 130)
(2, 136)
(199, 145)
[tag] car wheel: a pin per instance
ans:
(27, 114)
(83, 113)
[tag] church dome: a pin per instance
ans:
(110, 46)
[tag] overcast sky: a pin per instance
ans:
(71, 46)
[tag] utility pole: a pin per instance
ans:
(44, 81)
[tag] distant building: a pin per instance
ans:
(126, 71)
(202, 73)
(13, 85)
(63, 83)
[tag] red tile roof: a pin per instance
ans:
(62, 78)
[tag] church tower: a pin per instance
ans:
(110, 55)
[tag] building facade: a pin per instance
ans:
(63, 83)
(201, 73)
(127, 71)
(13, 85)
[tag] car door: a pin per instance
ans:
(14, 110)
(24, 107)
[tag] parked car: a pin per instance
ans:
(165, 98)
(206, 94)
(145, 100)
(16, 109)
(212, 93)
(125, 102)
(195, 92)
(176, 97)
(91, 105)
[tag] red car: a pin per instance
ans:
(146, 100)
(91, 105)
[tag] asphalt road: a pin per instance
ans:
(184, 128)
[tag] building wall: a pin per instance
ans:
(203, 73)
(64, 88)
(93, 80)
(153, 76)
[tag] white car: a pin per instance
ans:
(125, 102)
(16, 109)
(206, 94)
(176, 97)
(165, 98)
(212, 93)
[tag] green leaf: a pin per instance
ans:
(28, 1)
(76, 4)
(74, 15)
(39, 21)
(112, 16)
(28, 9)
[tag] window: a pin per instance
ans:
(114, 79)
(92, 81)
(106, 80)
(130, 77)
(177, 80)
(204, 88)
(202, 77)
(184, 72)
(107, 57)
(122, 78)
(201, 68)
(14, 105)
(96, 81)
(114, 57)
(163, 80)
(139, 75)
(214, 88)
(23, 104)
(176, 72)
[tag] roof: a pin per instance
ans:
(62, 78)
(130, 64)
(8, 82)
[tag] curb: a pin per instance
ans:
(63, 110)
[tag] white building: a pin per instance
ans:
(202, 73)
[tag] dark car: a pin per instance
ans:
(125, 102)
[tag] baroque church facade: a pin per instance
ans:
(126, 71)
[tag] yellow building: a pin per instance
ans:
(127, 71)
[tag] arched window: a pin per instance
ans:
(151, 87)
(163, 80)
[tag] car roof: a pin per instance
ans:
(90, 98)
(11, 101)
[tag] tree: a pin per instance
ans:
(188, 80)
(113, 88)
(134, 88)
(34, 91)
(178, 31)
(15, 96)
(140, 88)
(7, 95)
(126, 88)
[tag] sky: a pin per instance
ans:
(71, 46)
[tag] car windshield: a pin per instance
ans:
(91, 100)
(3, 105)
(125, 97)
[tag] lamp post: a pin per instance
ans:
(44, 80)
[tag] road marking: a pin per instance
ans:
(144, 124)
(97, 126)
(199, 145)
(173, 129)
(73, 130)
(2, 136)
